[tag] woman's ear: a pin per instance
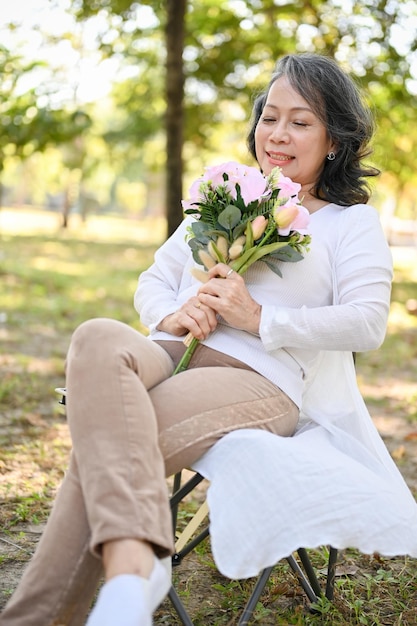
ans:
(334, 147)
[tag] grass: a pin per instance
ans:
(51, 281)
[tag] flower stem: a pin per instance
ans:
(186, 357)
(193, 343)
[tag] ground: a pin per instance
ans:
(19, 540)
(35, 444)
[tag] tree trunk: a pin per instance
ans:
(174, 33)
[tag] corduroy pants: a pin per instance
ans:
(132, 424)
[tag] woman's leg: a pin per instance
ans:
(120, 393)
(106, 404)
(62, 576)
(114, 431)
(199, 406)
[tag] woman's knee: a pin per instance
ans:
(97, 337)
(106, 342)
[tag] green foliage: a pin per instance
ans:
(28, 127)
(230, 51)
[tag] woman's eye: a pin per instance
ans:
(268, 120)
(300, 124)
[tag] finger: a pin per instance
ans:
(219, 271)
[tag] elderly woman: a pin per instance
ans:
(133, 423)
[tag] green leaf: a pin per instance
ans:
(230, 217)
(272, 266)
(253, 254)
(249, 235)
(287, 254)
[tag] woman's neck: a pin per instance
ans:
(311, 203)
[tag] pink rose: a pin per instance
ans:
(250, 180)
(195, 193)
(288, 188)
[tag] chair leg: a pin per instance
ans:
(331, 573)
(178, 493)
(174, 507)
(307, 578)
(189, 547)
(312, 596)
(179, 608)
(309, 570)
(256, 594)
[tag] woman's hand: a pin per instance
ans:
(193, 316)
(225, 293)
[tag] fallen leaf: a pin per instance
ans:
(399, 453)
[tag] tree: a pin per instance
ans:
(230, 49)
(174, 35)
(28, 127)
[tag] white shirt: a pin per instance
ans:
(348, 261)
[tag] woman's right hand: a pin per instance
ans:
(194, 317)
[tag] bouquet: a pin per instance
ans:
(242, 217)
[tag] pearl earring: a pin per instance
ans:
(331, 156)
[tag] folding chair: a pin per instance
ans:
(189, 539)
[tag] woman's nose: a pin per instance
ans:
(279, 133)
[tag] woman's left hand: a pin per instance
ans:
(225, 292)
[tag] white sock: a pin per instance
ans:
(159, 581)
(130, 600)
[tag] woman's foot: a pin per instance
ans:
(130, 600)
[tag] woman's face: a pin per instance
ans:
(290, 135)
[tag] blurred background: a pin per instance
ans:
(112, 107)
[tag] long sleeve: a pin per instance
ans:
(356, 318)
(168, 282)
(336, 298)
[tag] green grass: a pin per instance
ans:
(51, 281)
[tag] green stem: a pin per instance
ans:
(186, 357)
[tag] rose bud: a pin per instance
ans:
(259, 225)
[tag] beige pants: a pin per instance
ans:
(132, 424)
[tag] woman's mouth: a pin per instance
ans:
(279, 157)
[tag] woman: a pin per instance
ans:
(133, 424)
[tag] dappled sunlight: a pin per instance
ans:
(397, 397)
(405, 259)
(46, 263)
(399, 318)
(20, 362)
(44, 330)
(26, 221)
(34, 466)
(389, 388)
(41, 366)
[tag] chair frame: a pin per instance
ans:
(305, 573)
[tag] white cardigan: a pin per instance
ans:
(334, 481)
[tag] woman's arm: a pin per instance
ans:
(362, 278)
(166, 294)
